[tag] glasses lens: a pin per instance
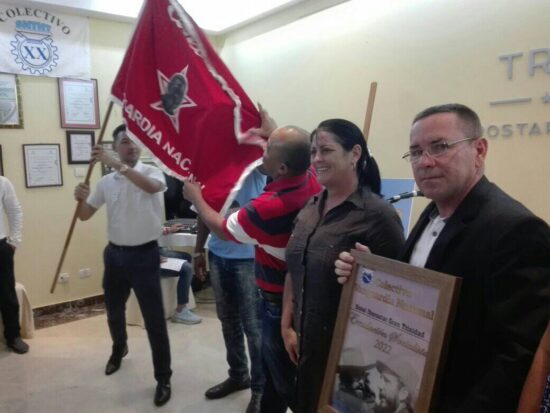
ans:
(438, 148)
(415, 155)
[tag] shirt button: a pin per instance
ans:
(434, 233)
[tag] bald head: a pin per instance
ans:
(287, 152)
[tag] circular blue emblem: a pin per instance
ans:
(35, 54)
(366, 277)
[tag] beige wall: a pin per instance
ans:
(421, 53)
(48, 211)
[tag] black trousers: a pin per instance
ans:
(9, 306)
(137, 268)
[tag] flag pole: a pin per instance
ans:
(75, 215)
(370, 109)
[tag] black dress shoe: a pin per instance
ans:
(114, 361)
(18, 345)
(227, 387)
(254, 404)
(162, 393)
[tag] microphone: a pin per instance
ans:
(404, 195)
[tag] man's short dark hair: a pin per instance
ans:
(118, 129)
(469, 119)
(296, 154)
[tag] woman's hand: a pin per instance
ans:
(344, 263)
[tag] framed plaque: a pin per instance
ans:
(389, 339)
(79, 105)
(11, 115)
(79, 146)
(42, 165)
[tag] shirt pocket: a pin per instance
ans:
(327, 250)
(296, 245)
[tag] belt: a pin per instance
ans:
(147, 245)
(276, 298)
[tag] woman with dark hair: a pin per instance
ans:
(348, 210)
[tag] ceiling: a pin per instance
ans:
(216, 17)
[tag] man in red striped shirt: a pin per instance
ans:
(266, 222)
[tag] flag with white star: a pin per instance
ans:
(182, 103)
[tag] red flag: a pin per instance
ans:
(181, 102)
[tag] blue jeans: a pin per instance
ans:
(185, 274)
(237, 300)
(279, 370)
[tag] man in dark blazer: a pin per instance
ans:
(475, 231)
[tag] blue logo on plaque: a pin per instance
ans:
(33, 47)
(366, 277)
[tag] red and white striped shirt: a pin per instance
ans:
(266, 222)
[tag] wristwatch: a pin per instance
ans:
(123, 169)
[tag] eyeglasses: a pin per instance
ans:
(433, 150)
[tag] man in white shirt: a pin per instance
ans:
(9, 241)
(133, 196)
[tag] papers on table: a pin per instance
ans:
(172, 264)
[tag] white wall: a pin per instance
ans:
(421, 53)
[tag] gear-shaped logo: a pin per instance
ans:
(35, 53)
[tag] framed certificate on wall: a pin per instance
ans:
(11, 115)
(393, 323)
(42, 165)
(78, 103)
(79, 146)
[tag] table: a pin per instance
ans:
(179, 239)
(168, 284)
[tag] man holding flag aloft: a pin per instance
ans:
(180, 102)
(133, 198)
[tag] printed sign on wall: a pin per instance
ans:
(39, 42)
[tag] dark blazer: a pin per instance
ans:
(502, 252)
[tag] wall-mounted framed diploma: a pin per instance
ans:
(79, 107)
(388, 344)
(79, 146)
(42, 165)
(11, 114)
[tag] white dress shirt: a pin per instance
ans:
(11, 207)
(424, 245)
(134, 217)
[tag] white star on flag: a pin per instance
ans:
(173, 93)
